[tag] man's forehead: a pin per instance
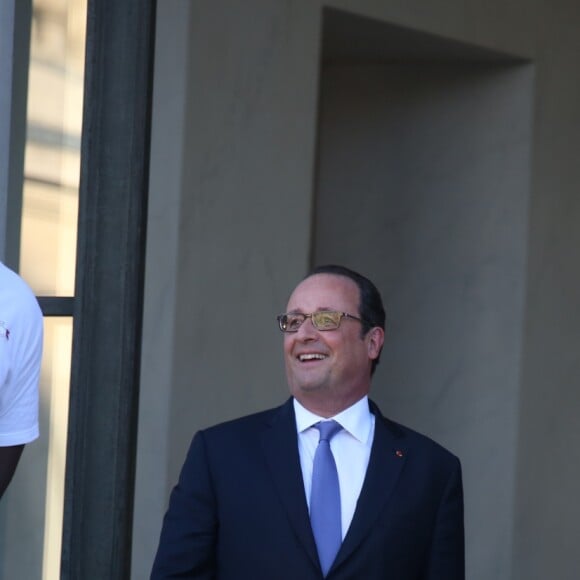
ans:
(322, 291)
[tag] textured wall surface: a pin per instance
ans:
(424, 184)
(454, 184)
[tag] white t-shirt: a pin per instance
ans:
(21, 333)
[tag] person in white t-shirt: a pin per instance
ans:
(21, 336)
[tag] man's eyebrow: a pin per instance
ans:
(319, 309)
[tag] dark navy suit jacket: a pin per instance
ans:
(239, 511)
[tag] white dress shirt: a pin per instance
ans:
(351, 448)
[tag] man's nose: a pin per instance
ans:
(307, 329)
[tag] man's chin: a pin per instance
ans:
(309, 387)
(308, 383)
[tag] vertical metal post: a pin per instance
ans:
(15, 19)
(109, 290)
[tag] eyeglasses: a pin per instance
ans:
(322, 320)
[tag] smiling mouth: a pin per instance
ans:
(311, 357)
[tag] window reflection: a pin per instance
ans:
(31, 515)
(32, 511)
(52, 160)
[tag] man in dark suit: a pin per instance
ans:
(261, 498)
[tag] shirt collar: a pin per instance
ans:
(356, 419)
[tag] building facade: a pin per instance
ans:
(431, 146)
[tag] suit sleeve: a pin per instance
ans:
(447, 556)
(188, 536)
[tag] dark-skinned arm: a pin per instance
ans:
(9, 457)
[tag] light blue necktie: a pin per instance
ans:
(325, 498)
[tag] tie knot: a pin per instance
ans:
(328, 429)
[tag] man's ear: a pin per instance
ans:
(375, 341)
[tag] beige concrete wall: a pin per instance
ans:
(232, 190)
(423, 182)
(231, 181)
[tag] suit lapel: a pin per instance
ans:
(386, 462)
(280, 445)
